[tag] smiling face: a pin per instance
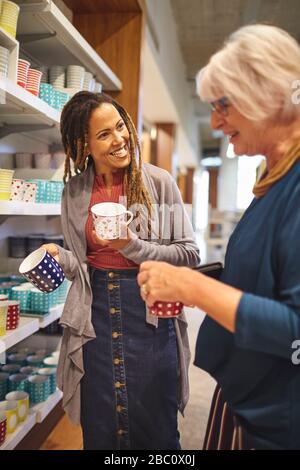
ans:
(246, 137)
(108, 139)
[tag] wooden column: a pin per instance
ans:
(189, 186)
(115, 29)
(164, 146)
(213, 187)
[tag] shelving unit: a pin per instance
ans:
(27, 327)
(45, 320)
(43, 409)
(66, 46)
(28, 208)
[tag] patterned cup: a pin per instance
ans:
(166, 309)
(3, 317)
(39, 388)
(50, 361)
(10, 408)
(22, 399)
(42, 270)
(108, 219)
(2, 427)
(3, 384)
(51, 373)
(18, 382)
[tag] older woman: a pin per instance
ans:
(247, 339)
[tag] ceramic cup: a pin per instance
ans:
(3, 317)
(22, 399)
(108, 219)
(42, 270)
(10, 408)
(166, 309)
(2, 427)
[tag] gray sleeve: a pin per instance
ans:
(67, 260)
(177, 243)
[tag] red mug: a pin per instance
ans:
(166, 309)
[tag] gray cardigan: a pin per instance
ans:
(76, 317)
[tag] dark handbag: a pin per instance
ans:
(213, 270)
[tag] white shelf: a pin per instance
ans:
(7, 40)
(22, 107)
(43, 409)
(45, 320)
(28, 208)
(67, 47)
(27, 326)
(13, 439)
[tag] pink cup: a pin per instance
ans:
(166, 309)
(22, 73)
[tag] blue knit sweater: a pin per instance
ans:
(254, 366)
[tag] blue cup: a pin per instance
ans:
(51, 373)
(38, 388)
(42, 270)
(4, 384)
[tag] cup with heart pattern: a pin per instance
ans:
(17, 190)
(108, 219)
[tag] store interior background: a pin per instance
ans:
(156, 48)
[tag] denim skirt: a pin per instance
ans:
(129, 390)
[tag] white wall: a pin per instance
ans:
(168, 58)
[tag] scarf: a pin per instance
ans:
(278, 171)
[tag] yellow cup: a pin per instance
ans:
(22, 399)
(3, 315)
(10, 408)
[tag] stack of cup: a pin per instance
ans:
(75, 76)
(38, 388)
(33, 81)
(3, 384)
(13, 315)
(22, 72)
(4, 57)
(10, 409)
(42, 160)
(57, 75)
(98, 87)
(3, 317)
(47, 93)
(30, 191)
(6, 177)
(87, 81)
(23, 160)
(18, 382)
(9, 17)
(22, 400)
(17, 190)
(2, 427)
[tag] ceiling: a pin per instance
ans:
(203, 25)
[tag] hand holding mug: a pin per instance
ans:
(52, 250)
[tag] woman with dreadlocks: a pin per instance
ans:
(123, 373)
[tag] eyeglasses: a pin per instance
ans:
(220, 106)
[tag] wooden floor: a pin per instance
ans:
(65, 436)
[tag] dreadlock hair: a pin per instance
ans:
(74, 124)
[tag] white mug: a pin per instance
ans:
(108, 218)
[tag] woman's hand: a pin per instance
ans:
(52, 250)
(117, 244)
(162, 281)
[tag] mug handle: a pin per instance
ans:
(130, 218)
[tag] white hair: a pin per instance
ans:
(256, 70)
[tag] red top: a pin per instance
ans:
(97, 256)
